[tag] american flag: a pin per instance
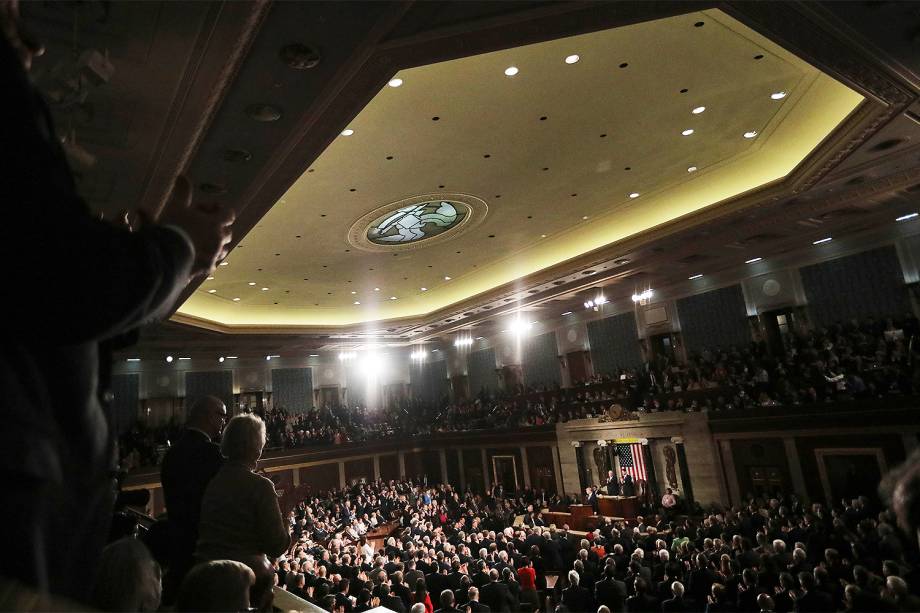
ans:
(632, 460)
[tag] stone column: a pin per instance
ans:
(580, 461)
(486, 477)
(443, 458)
(296, 477)
(462, 471)
(525, 467)
(731, 476)
(684, 469)
(341, 474)
(376, 467)
(557, 471)
(795, 468)
(402, 464)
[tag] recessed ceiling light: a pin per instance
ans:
(778, 95)
(224, 264)
(542, 236)
(698, 110)
(634, 195)
(314, 355)
(209, 279)
(424, 289)
(169, 359)
(395, 82)
(750, 134)
(220, 359)
(447, 278)
(392, 297)
(752, 260)
(132, 360)
(584, 216)
(231, 357)
(376, 289)
(687, 132)
(357, 302)
(347, 132)
(236, 300)
(212, 291)
(691, 169)
(264, 289)
(185, 358)
(567, 313)
(826, 239)
(510, 71)
(696, 276)
(906, 217)
(571, 59)
(353, 293)
(252, 283)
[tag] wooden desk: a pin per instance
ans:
(619, 506)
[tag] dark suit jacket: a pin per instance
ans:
(393, 603)
(478, 607)
(57, 444)
(577, 598)
(814, 601)
(611, 593)
(497, 597)
(642, 604)
(674, 605)
(188, 467)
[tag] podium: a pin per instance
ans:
(626, 507)
(581, 516)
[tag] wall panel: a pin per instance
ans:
(125, 392)
(714, 320)
(321, 477)
(481, 369)
(292, 389)
(389, 467)
(856, 286)
(540, 361)
(209, 383)
(356, 470)
(614, 343)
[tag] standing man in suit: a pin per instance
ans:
(613, 484)
(629, 488)
(473, 602)
(591, 498)
(57, 446)
(676, 604)
(609, 591)
(188, 467)
(496, 595)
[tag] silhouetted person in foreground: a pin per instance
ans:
(79, 282)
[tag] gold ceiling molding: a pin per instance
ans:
(884, 94)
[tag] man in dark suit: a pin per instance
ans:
(629, 488)
(609, 591)
(641, 601)
(812, 599)
(447, 603)
(57, 446)
(575, 597)
(474, 604)
(613, 484)
(496, 595)
(390, 600)
(591, 498)
(187, 468)
(677, 603)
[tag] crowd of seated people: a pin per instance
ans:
(448, 549)
(840, 363)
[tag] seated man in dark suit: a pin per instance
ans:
(188, 467)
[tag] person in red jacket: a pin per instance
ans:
(527, 578)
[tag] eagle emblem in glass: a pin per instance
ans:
(416, 222)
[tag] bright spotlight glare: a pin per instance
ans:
(645, 295)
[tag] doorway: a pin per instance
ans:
(662, 346)
(504, 471)
(329, 396)
(778, 326)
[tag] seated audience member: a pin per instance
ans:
(128, 579)
(240, 517)
(218, 585)
(188, 467)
